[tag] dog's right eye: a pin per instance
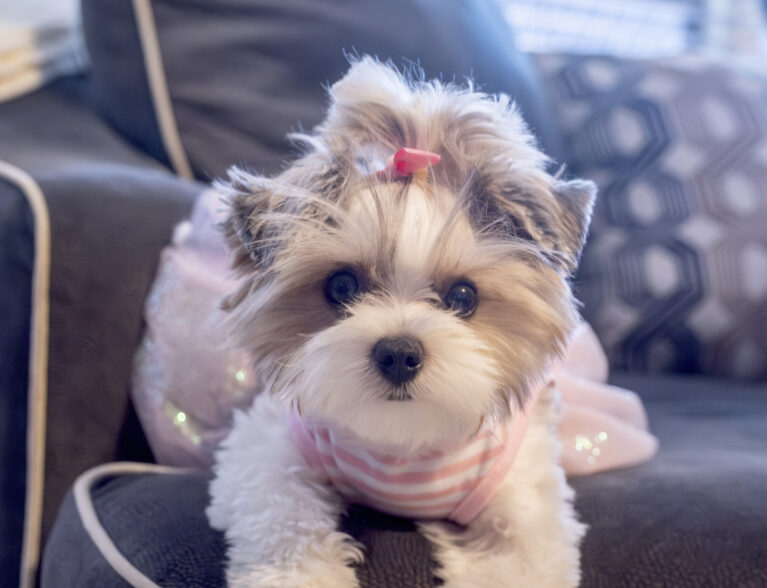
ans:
(462, 298)
(341, 288)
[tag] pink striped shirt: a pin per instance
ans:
(455, 484)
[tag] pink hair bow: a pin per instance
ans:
(407, 161)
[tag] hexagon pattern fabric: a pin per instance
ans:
(674, 277)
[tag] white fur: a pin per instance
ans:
(528, 535)
(412, 241)
(338, 380)
(280, 520)
(333, 374)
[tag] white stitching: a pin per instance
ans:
(92, 525)
(158, 87)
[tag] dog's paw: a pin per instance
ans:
(478, 574)
(503, 570)
(311, 574)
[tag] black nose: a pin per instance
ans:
(399, 359)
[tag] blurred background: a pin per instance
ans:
(40, 39)
(642, 28)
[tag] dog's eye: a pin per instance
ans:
(462, 298)
(341, 288)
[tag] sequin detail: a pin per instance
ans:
(590, 447)
(187, 379)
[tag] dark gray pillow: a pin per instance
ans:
(674, 276)
(240, 75)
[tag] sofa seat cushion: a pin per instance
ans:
(694, 516)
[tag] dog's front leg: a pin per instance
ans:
(528, 536)
(279, 518)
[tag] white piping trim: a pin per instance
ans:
(37, 387)
(92, 525)
(158, 87)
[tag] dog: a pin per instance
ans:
(405, 288)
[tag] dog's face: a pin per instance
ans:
(407, 310)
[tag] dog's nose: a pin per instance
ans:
(399, 359)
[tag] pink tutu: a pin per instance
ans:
(187, 381)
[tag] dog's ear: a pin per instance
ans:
(263, 210)
(242, 231)
(247, 235)
(576, 202)
(554, 216)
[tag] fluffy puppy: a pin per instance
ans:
(402, 319)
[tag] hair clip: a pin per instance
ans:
(407, 161)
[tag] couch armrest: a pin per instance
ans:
(112, 209)
(108, 226)
(108, 223)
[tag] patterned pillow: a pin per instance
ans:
(674, 277)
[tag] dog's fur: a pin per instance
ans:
(488, 212)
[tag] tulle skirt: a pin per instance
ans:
(187, 380)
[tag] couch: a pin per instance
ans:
(97, 169)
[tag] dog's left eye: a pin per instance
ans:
(341, 288)
(462, 298)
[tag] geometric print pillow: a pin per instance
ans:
(674, 275)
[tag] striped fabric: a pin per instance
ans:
(453, 484)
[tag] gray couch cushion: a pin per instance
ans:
(241, 75)
(158, 522)
(674, 276)
(175, 546)
(692, 517)
(695, 515)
